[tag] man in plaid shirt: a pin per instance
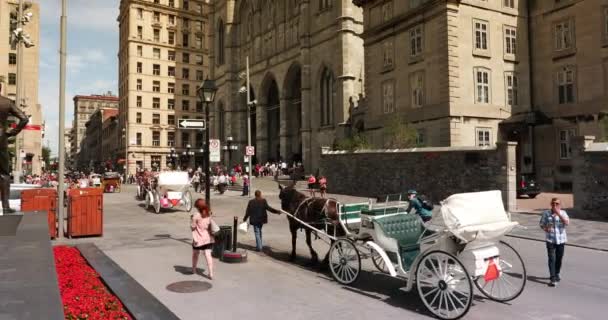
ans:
(554, 222)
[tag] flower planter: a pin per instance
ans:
(83, 294)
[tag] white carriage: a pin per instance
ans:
(460, 246)
(170, 190)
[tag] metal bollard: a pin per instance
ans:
(234, 233)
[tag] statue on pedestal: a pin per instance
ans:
(8, 108)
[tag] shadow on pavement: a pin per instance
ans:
(188, 270)
(158, 237)
(541, 280)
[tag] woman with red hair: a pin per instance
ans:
(202, 237)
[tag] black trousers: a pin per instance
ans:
(555, 253)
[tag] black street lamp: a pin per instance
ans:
(188, 153)
(173, 157)
(206, 93)
(229, 147)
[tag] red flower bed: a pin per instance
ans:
(83, 294)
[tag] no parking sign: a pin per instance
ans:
(214, 150)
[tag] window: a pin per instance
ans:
(324, 4)
(138, 117)
(140, 32)
(198, 140)
(170, 87)
(156, 103)
(138, 138)
(171, 20)
(139, 67)
(186, 23)
(156, 86)
(416, 41)
(481, 35)
(327, 98)
(171, 55)
(171, 138)
(156, 118)
(420, 137)
(156, 53)
(185, 57)
(388, 93)
(156, 138)
(186, 5)
(157, 1)
(199, 59)
(155, 162)
(12, 58)
(185, 139)
(565, 85)
(509, 4)
(186, 105)
(156, 17)
(387, 53)
(511, 86)
(171, 104)
(171, 71)
(387, 10)
(186, 89)
(198, 41)
(171, 3)
(171, 119)
(563, 35)
(186, 73)
(199, 106)
(510, 40)
(417, 89)
(139, 101)
(199, 75)
(483, 137)
(140, 13)
(185, 39)
(156, 35)
(12, 78)
(482, 85)
(171, 37)
(565, 137)
(140, 51)
(139, 85)
(220, 43)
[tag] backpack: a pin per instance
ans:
(426, 203)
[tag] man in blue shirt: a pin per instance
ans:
(554, 222)
(415, 203)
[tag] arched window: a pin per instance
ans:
(220, 43)
(327, 98)
(222, 122)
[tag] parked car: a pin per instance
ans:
(526, 185)
(15, 194)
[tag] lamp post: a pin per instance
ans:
(229, 147)
(173, 157)
(206, 93)
(250, 104)
(188, 153)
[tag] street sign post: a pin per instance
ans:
(194, 124)
(214, 150)
(250, 150)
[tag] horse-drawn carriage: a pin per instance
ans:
(443, 258)
(111, 182)
(170, 190)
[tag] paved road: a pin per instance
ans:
(155, 250)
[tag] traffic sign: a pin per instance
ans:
(196, 124)
(250, 150)
(214, 150)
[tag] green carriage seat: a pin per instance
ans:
(406, 229)
(350, 215)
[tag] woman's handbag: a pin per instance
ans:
(243, 227)
(214, 227)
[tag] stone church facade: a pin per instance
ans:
(306, 69)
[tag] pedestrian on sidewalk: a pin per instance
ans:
(323, 186)
(202, 237)
(257, 215)
(311, 184)
(245, 185)
(554, 222)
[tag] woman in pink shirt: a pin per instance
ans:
(202, 239)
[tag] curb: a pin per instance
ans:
(567, 244)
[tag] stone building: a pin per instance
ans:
(111, 153)
(306, 65)
(84, 107)
(30, 140)
(67, 136)
(92, 153)
(163, 58)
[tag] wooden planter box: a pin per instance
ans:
(85, 212)
(42, 200)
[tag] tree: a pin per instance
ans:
(46, 156)
(398, 134)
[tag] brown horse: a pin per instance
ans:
(314, 211)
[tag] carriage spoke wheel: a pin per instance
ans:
(512, 277)
(148, 200)
(344, 261)
(187, 199)
(378, 261)
(156, 201)
(444, 285)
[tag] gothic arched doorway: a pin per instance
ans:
(293, 109)
(273, 125)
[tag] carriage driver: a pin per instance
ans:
(415, 203)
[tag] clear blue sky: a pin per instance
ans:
(92, 56)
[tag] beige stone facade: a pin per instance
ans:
(84, 108)
(30, 140)
(95, 151)
(163, 58)
(306, 62)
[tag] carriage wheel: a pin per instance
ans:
(139, 194)
(187, 199)
(511, 280)
(344, 261)
(444, 285)
(378, 261)
(156, 202)
(149, 200)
